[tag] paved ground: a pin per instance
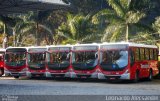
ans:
(23, 86)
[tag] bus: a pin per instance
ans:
(58, 61)
(85, 61)
(15, 61)
(128, 61)
(2, 52)
(36, 61)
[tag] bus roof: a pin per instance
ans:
(131, 44)
(92, 44)
(59, 46)
(36, 47)
(2, 50)
(14, 47)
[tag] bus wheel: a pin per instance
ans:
(136, 79)
(150, 77)
(1, 72)
(16, 77)
(30, 77)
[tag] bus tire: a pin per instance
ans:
(16, 77)
(150, 77)
(136, 79)
(30, 77)
(1, 72)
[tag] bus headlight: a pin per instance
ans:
(24, 70)
(126, 72)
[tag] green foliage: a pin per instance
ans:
(121, 20)
(156, 25)
(91, 21)
(78, 28)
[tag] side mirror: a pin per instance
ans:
(132, 59)
(96, 55)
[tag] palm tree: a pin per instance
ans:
(78, 29)
(121, 20)
(8, 23)
(36, 19)
(156, 27)
(25, 29)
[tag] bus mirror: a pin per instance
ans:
(96, 55)
(131, 58)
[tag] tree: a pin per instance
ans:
(121, 20)
(156, 27)
(8, 22)
(26, 28)
(78, 29)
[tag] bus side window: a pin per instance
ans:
(151, 54)
(146, 54)
(137, 54)
(132, 57)
(1, 58)
(155, 54)
(142, 55)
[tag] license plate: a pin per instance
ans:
(112, 78)
(83, 77)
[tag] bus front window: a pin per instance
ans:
(59, 60)
(114, 59)
(59, 57)
(15, 59)
(36, 61)
(85, 57)
(36, 58)
(84, 60)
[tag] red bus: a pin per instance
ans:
(128, 61)
(15, 61)
(2, 52)
(58, 61)
(85, 61)
(36, 58)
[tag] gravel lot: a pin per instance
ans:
(24, 86)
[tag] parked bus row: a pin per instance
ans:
(111, 61)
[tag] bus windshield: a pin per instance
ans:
(36, 61)
(59, 57)
(36, 58)
(84, 60)
(58, 60)
(114, 59)
(2, 56)
(15, 59)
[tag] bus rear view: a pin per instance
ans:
(15, 62)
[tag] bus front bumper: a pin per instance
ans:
(35, 74)
(83, 75)
(9, 73)
(125, 76)
(50, 74)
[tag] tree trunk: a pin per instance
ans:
(37, 30)
(5, 39)
(127, 32)
(14, 38)
(37, 36)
